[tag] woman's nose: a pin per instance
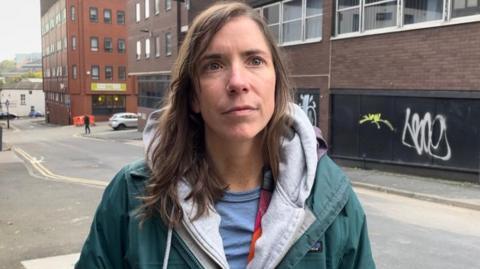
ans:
(237, 81)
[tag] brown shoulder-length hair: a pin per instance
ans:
(177, 151)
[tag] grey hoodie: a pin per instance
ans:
(287, 217)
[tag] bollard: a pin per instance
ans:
(1, 138)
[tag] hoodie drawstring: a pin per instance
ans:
(167, 248)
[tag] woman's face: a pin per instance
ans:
(236, 94)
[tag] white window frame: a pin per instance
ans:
(157, 46)
(74, 71)
(157, 7)
(147, 48)
(74, 42)
(446, 19)
(139, 50)
(92, 48)
(279, 4)
(137, 13)
(72, 13)
(168, 4)
(147, 9)
(168, 44)
(303, 39)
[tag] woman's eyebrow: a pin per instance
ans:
(254, 52)
(216, 56)
(210, 56)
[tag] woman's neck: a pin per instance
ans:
(239, 164)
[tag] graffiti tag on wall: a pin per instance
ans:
(309, 101)
(376, 119)
(420, 133)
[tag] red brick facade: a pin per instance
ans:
(440, 58)
(71, 93)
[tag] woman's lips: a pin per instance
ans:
(239, 110)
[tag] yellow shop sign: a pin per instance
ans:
(121, 87)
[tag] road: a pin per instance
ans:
(410, 233)
(46, 209)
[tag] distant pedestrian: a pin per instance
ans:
(86, 122)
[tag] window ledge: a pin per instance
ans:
(308, 41)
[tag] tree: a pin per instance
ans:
(7, 66)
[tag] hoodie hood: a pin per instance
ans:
(286, 215)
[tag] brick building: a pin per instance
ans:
(405, 89)
(84, 57)
(155, 30)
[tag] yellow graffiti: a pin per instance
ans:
(376, 119)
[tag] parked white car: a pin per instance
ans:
(123, 120)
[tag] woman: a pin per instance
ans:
(233, 176)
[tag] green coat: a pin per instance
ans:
(338, 237)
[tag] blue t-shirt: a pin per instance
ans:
(238, 211)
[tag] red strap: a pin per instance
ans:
(265, 197)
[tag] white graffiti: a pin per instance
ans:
(308, 105)
(421, 131)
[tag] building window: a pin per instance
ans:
(65, 43)
(147, 9)
(74, 72)
(107, 104)
(292, 21)
(122, 73)
(95, 72)
(107, 44)
(93, 14)
(107, 16)
(139, 50)
(416, 11)
(120, 17)
(358, 16)
(121, 46)
(168, 4)
(137, 12)
(168, 44)
(157, 46)
(151, 90)
(156, 8)
(108, 72)
(462, 8)
(72, 12)
(94, 43)
(272, 18)
(147, 48)
(74, 42)
(22, 100)
(295, 21)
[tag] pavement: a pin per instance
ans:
(454, 193)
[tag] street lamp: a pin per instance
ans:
(7, 104)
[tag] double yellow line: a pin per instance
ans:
(48, 174)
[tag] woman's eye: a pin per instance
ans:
(212, 66)
(257, 61)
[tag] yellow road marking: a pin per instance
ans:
(47, 173)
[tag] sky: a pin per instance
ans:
(19, 27)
